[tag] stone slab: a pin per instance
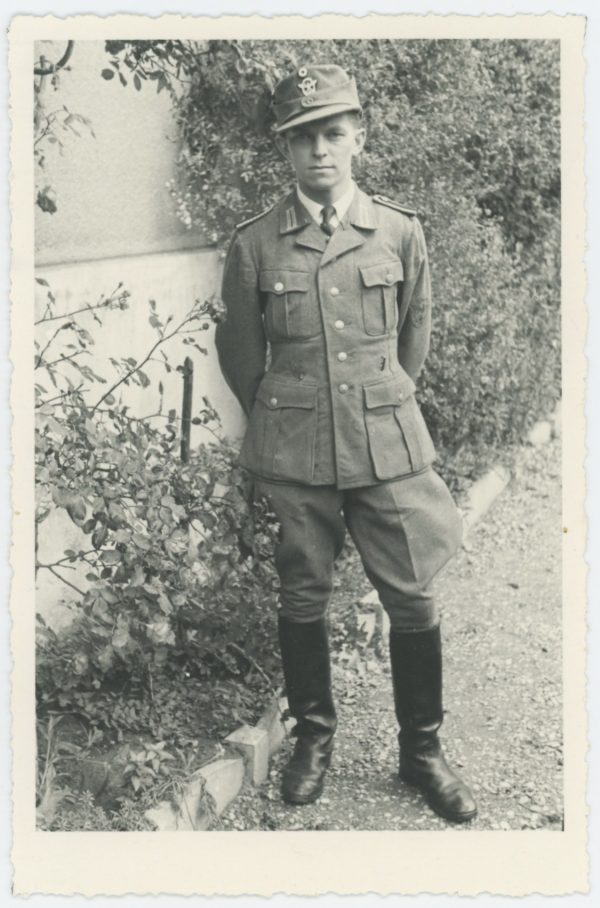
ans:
(254, 745)
(221, 779)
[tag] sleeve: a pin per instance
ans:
(240, 339)
(414, 336)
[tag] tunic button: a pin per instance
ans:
(339, 324)
(273, 401)
(389, 277)
(342, 357)
(334, 291)
(343, 388)
(278, 286)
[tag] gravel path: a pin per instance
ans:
(502, 650)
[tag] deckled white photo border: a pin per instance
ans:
(507, 862)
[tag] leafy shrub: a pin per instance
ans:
(82, 814)
(179, 576)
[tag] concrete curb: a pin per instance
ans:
(485, 490)
(477, 502)
(221, 780)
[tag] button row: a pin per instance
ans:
(342, 388)
(278, 286)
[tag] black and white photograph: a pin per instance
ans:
(299, 418)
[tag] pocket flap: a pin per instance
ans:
(283, 281)
(391, 392)
(386, 273)
(276, 394)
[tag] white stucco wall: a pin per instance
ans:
(173, 280)
(116, 223)
(112, 197)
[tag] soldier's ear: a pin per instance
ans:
(360, 137)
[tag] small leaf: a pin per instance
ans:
(111, 556)
(99, 536)
(76, 510)
(108, 74)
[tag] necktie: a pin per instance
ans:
(327, 213)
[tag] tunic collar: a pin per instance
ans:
(293, 215)
(314, 208)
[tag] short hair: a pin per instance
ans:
(357, 116)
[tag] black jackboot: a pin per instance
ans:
(305, 659)
(417, 678)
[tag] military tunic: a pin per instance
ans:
(335, 439)
(345, 321)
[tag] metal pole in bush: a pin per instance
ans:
(186, 408)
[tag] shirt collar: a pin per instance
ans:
(314, 208)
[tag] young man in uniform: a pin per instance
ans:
(336, 283)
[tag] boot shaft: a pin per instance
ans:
(307, 672)
(416, 661)
(417, 678)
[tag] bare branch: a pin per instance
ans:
(40, 356)
(162, 339)
(51, 400)
(59, 577)
(88, 308)
(61, 359)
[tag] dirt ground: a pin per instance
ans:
(501, 626)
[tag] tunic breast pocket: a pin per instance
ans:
(291, 309)
(379, 295)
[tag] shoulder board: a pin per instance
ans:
(254, 218)
(390, 203)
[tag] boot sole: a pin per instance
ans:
(291, 798)
(451, 817)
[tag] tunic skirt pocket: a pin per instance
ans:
(280, 439)
(379, 295)
(291, 311)
(399, 441)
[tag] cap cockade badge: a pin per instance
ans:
(308, 86)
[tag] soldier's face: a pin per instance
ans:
(321, 152)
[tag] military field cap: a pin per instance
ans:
(312, 92)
